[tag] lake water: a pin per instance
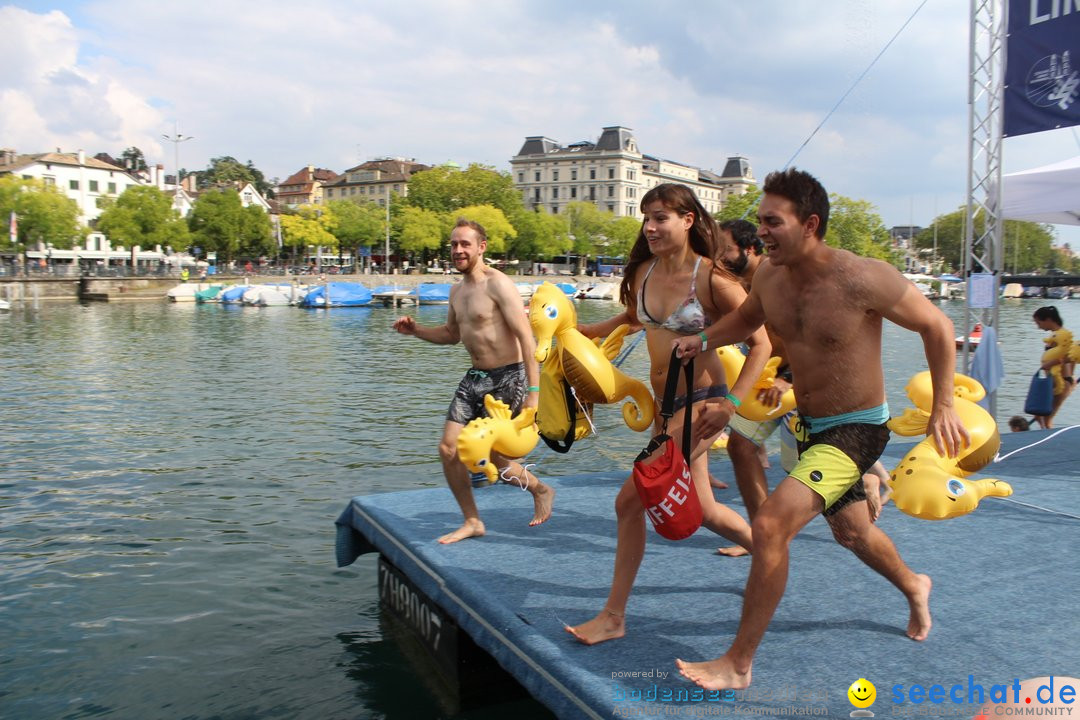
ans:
(169, 479)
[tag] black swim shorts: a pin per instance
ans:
(506, 383)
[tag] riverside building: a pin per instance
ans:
(614, 174)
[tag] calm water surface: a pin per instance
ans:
(169, 478)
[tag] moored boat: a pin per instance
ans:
(337, 294)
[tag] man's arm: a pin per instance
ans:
(914, 312)
(448, 334)
(508, 299)
(735, 326)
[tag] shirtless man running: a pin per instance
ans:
(487, 317)
(827, 305)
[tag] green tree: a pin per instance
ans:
(854, 225)
(133, 159)
(1026, 246)
(738, 207)
(298, 233)
(588, 227)
(622, 232)
(225, 170)
(417, 229)
(357, 224)
(45, 214)
(539, 233)
(217, 222)
(256, 233)
(499, 230)
(143, 216)
(445, 188)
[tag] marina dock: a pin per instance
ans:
(1006, 579)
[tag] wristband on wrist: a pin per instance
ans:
(534, 388)
(734, 400)
(704, 341)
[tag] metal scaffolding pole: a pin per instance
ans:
(983, 221)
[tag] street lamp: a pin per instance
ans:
(176, 139)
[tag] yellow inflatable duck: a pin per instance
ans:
(586, 367)
(1058, 347)
(511, 437)
(751, 408)
(929, 486)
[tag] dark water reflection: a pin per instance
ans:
(169, 477)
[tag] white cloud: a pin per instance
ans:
(333, 84)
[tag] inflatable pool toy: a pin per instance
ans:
(562, 418)
(751, 407)
(511, 437)
(586, 366)
(932, 487)
(1059, 346)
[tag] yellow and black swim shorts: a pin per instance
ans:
(832, 462)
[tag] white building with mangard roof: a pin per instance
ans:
(614, 174)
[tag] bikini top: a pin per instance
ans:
(686, 319)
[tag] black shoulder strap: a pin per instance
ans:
(667, 408)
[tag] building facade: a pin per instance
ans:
(305, 187)
(614, 174)
(82, 179)
(374, 181)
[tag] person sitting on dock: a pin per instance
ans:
(827, 305)
(486, 316)
(672, 287)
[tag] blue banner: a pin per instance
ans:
(1042, 66)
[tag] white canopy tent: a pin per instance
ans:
(1048, 194)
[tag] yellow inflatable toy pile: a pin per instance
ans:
(586, 367)
(1058, 347)
(751, 408)
(932, 487)
(511, 437)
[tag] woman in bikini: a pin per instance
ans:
(672, 288)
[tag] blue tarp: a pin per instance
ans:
(342, 294)
(233, 294)
(433, 293)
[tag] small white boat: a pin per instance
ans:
(1012, 290)
(184, 292)
(603, 291)
(5, 305)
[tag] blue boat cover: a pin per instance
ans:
(433, 292)
(342, 294)
(233, 294)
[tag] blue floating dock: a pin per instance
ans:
(1004, 602)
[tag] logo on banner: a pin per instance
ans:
(1053, 81)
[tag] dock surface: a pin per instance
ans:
(1004, 602)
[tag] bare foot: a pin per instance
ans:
(717, 482)
(873, 495)
(733, 551)
(543, 499)
(608, 625)
(718, 674)
(919, 623)
(471, 528)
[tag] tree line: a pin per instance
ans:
(421, 219)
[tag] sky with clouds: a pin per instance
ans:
(287, 84)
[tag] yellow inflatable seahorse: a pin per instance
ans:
(587, 368)
(932, 487)
(1058, 346)
(751, 407)
(511, 437)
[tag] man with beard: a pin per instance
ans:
(740, 251)
(487, 317)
